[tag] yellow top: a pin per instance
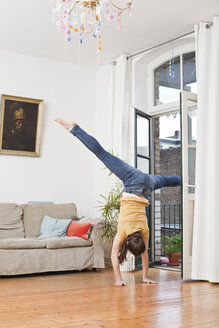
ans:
(132, 217)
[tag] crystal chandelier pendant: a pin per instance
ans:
(87, 17)
(172, 66)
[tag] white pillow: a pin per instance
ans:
(52, 227)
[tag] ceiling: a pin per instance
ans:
(26, 27)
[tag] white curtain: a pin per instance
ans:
(113, 117)
(205, 253)
(113, 106)
(122, 110)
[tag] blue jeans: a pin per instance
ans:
(135, 181)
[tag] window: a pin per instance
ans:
(189, 73)
(171, 77)
(143, 152)
(167, 87)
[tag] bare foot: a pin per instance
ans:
(66, 125)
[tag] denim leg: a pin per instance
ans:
(168, 181)
(121, 169)
(134, 180)
(172, 181)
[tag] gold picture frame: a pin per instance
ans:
(20, 129)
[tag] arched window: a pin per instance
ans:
(175, 75)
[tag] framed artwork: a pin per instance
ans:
(20, 129)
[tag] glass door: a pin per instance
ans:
(167, 202)
(143, 161)
(188, 136)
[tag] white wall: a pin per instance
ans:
(104, 118)
(65, 170)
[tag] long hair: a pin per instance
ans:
(135, 243)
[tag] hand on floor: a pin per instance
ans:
(148, 281)
(120, 284)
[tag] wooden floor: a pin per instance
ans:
(89, 299)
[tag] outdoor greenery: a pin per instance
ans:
(172, 244)
(110, 211)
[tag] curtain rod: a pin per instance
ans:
(159, 45)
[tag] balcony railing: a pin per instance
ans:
(171, 222)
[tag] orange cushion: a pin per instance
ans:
(78, 230)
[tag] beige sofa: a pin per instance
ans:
(22, 251)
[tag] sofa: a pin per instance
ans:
(23, 251)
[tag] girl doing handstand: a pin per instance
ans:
(133, 232)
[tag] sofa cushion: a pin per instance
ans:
(79, 230)
(11, 224)
(34, 214)
(65, 242)
(52, 227)
(22, 243)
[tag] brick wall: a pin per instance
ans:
(170, 164)
(166, 162)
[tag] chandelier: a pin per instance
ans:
(86, 17)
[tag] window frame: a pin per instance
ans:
(142, 114)
(148, 208)
(152, 66)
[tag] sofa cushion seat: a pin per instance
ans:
(22, 243)
(65, 242)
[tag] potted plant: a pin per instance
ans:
(173, 246)
(110, 211)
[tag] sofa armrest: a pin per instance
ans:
(97, 233)
(96, 236)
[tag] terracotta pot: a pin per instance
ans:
(174, 259)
